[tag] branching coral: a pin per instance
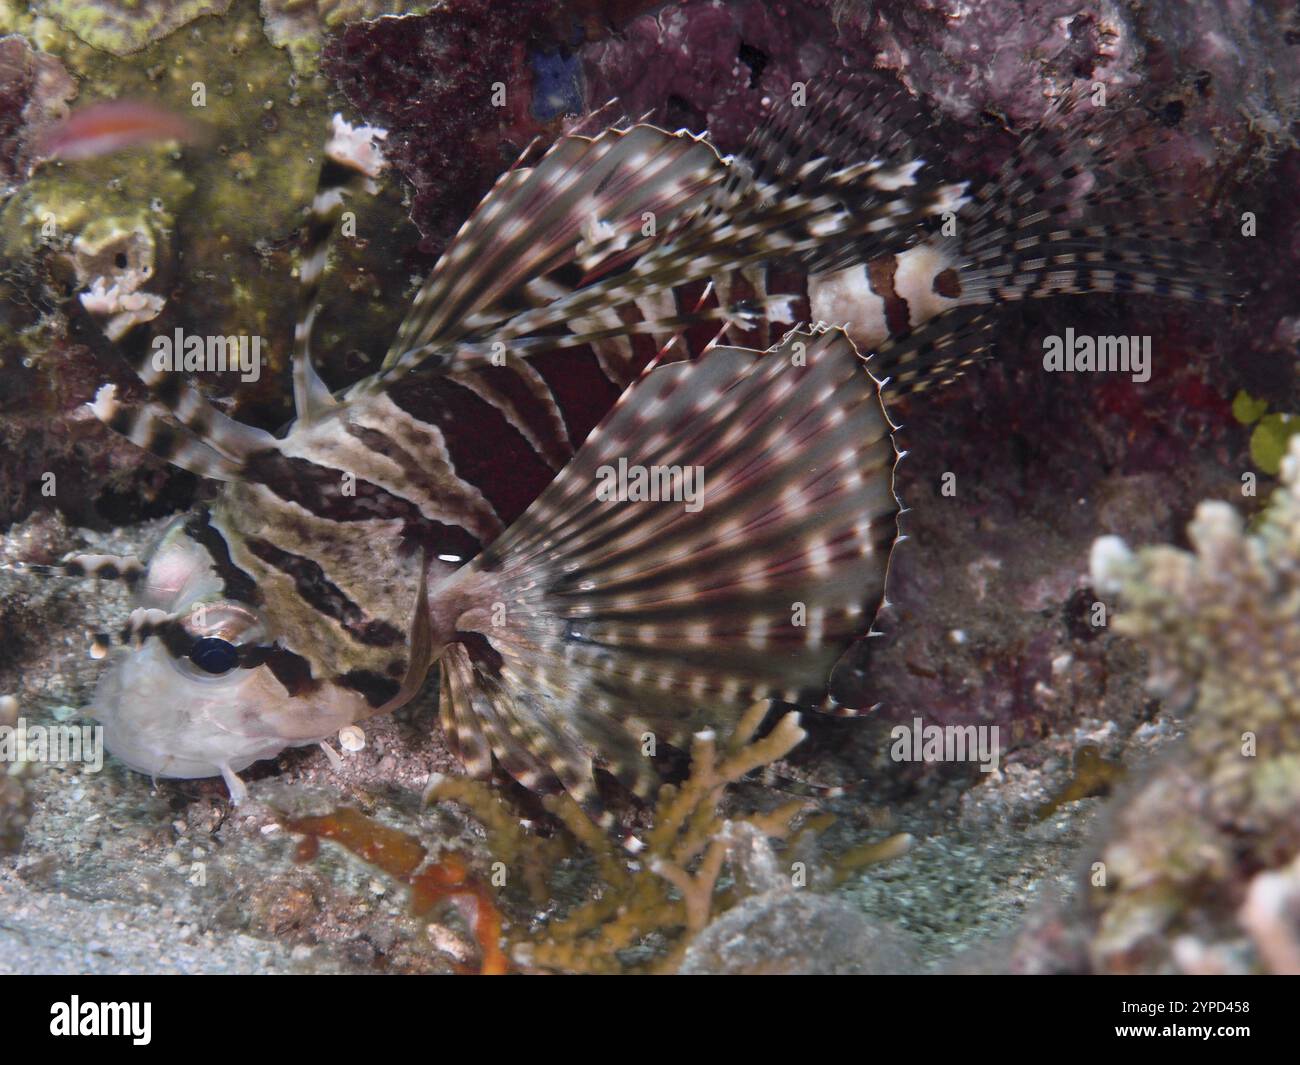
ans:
(695, 863)
(1222, 626)
(672, 889)
(688, 830)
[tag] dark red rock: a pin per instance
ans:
(429, 80)
(34, 93)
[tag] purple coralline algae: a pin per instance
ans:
(455, 88)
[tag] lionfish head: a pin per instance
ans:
(198, 685)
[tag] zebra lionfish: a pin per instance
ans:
(626, 295)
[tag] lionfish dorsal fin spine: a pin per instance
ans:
(806, 200)
(352, 156)
(182, 426)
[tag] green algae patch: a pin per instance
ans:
(1270, 439)
(122, 27)
(221, 218)
(1272, 433)
(1247, 409)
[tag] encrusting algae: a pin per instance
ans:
(262, 126)
(1222, 626)
(122, 27)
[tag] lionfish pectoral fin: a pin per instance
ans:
(237, 788)
(463, 723)
(1071, 211)
(801, 193)
(491, 716)
(720, 538)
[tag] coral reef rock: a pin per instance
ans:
(785, 932)
(126, 26)
(34, 92)
(1221, 624)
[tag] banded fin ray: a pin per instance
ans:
(153, 428)
(513, 251)
(621, 617)
(460, 717)
(802, 199)
(206, 441)
(934, 355)
(84, 565)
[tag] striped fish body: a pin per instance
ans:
(337, 527)
(315, 570)
(447, 509)
(362, 528)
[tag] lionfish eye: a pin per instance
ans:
(214, 655)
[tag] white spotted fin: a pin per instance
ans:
(594, 620)
(1070, 212)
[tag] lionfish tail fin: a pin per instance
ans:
(722, 537)
(1072, 210)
